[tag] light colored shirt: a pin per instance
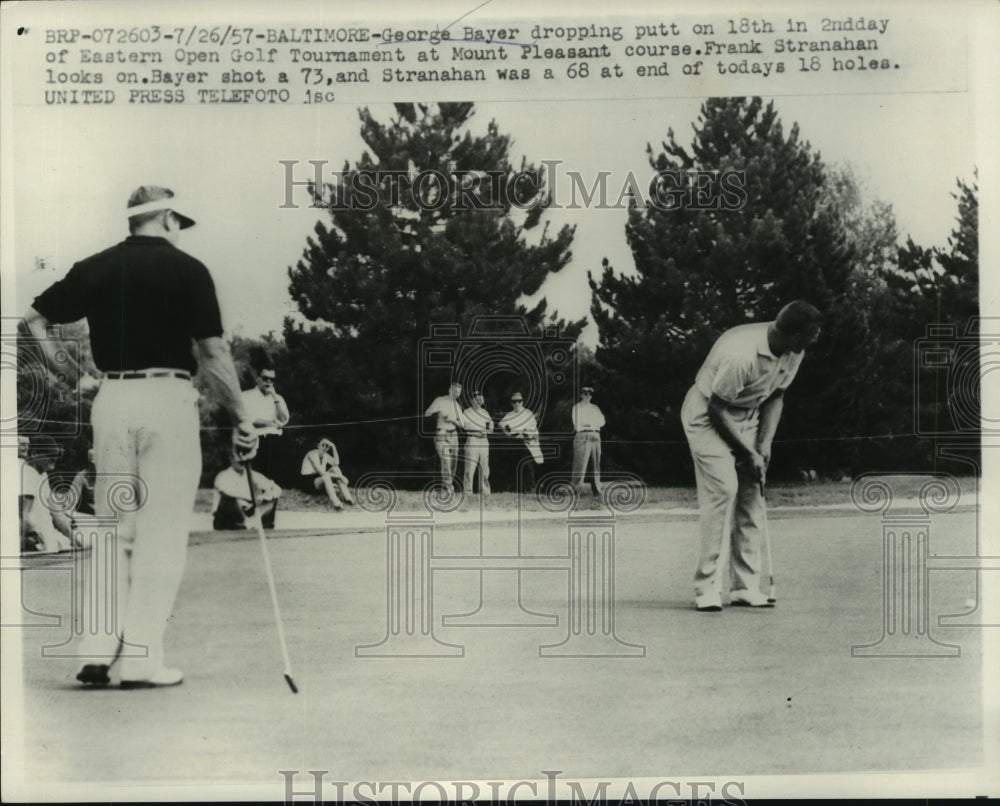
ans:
(741, 369)
(264, 408)
(322, 460)
(31, 481)
(478, 421)
(234, 484)
(587, 417)
(520, 422)
(449, 414)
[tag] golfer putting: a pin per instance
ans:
(730, 416)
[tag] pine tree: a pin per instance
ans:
(399, 255)
(933, 308)
(701, 271)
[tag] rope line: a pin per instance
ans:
(343, 423)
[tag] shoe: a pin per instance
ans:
(746, 598)
(162, 679)
(94, 674)
(708, 603)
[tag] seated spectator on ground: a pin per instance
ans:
(232, 505)
(321, 471)
(42, 529)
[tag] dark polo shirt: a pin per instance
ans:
(144, 300)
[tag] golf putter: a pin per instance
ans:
(259, 526)
(772, 596)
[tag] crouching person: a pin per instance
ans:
(232, 505)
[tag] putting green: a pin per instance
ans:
(739, 693)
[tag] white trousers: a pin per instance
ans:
(477, 455)
(729, 501)
(145, 444)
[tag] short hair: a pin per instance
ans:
(798, 318)
(259, 360)
(44, 445)
(143, 194)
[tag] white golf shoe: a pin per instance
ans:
(708, 602)
(747, 598)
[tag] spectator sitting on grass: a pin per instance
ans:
(321, 471)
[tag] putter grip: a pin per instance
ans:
(253, 493)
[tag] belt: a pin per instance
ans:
(442, 431)
(588, 431)
(148, 373)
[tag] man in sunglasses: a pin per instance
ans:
(269, 414)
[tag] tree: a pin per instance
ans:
(933, 309)
(429, 228)
(932, 286)
(707, 264)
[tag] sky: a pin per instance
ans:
(77, 167)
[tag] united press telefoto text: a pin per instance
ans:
(233, 63)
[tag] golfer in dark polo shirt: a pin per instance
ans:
(146, 303)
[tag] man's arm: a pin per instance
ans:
(217, 364)
(530, 429)
(770, 414)
(727, 428)
(59, 362)
(282, 416)
(320, 465)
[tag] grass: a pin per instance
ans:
(821, 493)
